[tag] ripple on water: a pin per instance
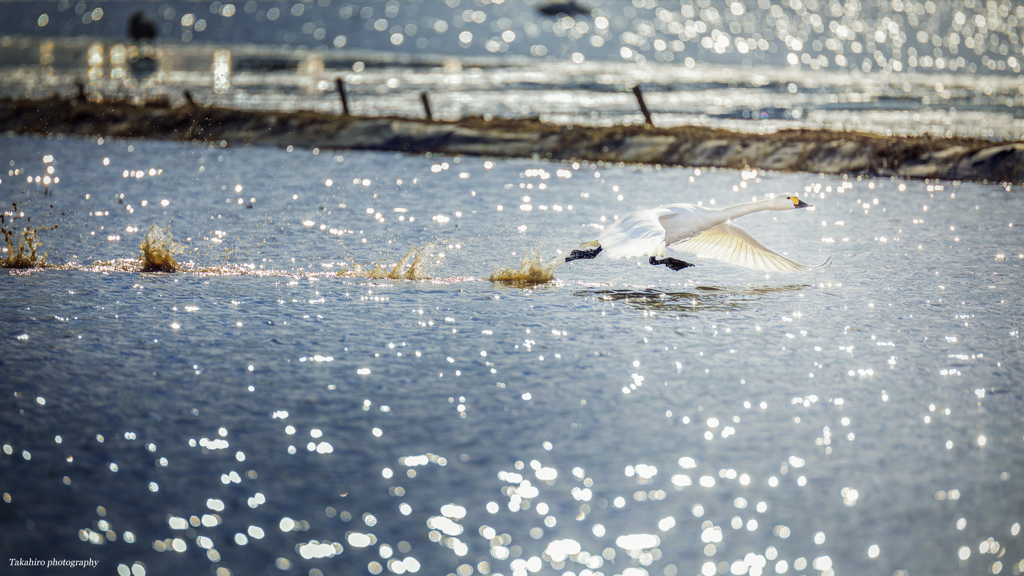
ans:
(701, 298)
(585, 430)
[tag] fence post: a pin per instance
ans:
(643, 106)
(344, 98)
(426, 106)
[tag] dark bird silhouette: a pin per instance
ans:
(570, 8)
(141, 27)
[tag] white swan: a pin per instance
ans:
(704, 232)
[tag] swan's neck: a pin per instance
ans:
(733, 212)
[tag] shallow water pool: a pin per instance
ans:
(271, 409)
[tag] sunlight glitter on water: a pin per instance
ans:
(751, 97)
(621, 418)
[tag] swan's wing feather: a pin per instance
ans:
(730, 243)
(636, 234)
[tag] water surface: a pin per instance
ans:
(257, 411)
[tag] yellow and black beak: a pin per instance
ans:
(798, 203)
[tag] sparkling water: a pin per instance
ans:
(272, 407)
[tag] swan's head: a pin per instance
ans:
(788, 203)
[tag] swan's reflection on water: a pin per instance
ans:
(697, 299)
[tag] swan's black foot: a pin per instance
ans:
(583, 254)
(672, 263)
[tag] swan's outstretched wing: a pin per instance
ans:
(636, 234)
(730, 243)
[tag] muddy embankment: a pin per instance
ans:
(788, 150)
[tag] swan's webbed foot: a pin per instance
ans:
(671, 263)
(583, 254)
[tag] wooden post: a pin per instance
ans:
(344, 98)
(426, 106)
(643, 106)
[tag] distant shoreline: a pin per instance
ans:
(814, 151)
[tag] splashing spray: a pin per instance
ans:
(412, 266)
(533, 270)
(22, 245)
(158, 249)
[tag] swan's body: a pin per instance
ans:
(704, 232)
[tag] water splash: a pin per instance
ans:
(533, 270)
(158, 249)
(25, 255)
(22, 245)
(413, 266)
